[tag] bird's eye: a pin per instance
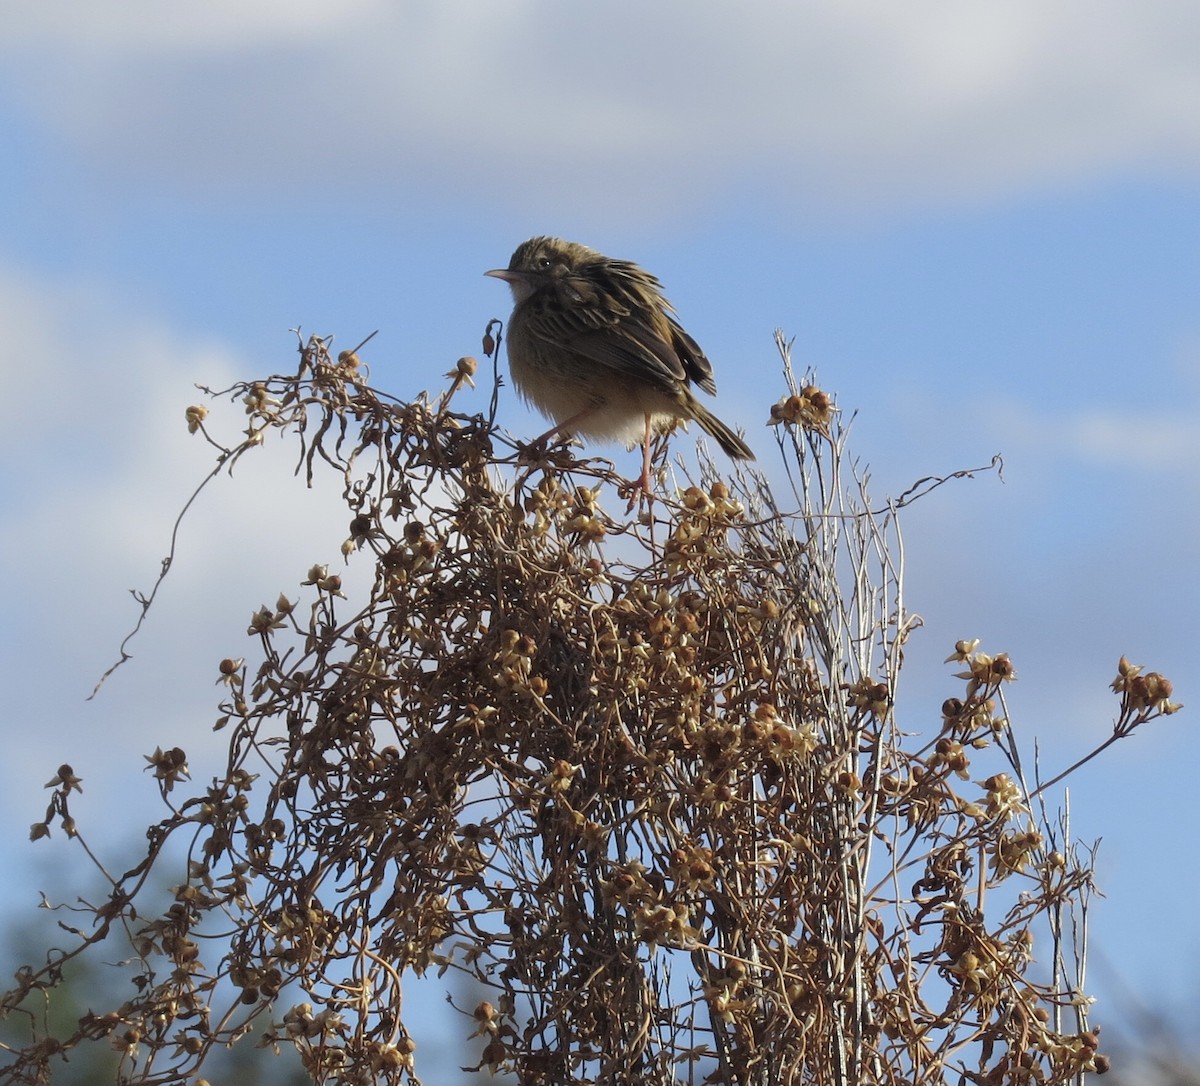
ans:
(545, 262)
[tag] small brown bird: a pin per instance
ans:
(594, 346)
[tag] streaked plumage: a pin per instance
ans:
(594, 345)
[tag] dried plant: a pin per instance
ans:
(643, 778)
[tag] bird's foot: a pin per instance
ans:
(636, 490)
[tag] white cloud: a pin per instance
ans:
(136, 26)
(1133, 438)
(95, 464)
(1142, 438)
(551, 104)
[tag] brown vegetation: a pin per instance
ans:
(642, 778)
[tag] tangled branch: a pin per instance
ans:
(645, 781)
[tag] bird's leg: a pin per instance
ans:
(644, 480)
(563, 429)
(642, 484)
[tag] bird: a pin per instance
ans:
(594, 345)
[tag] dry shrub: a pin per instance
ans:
(639, 776)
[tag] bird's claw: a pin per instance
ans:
(635, 490)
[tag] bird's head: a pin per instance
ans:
(539, 262)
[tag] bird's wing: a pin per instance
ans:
(619, 319)
(695, 362)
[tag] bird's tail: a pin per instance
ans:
(732, 445)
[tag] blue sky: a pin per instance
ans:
(981, 223)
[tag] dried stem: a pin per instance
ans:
(643, 781)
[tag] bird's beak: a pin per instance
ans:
(523, 284)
